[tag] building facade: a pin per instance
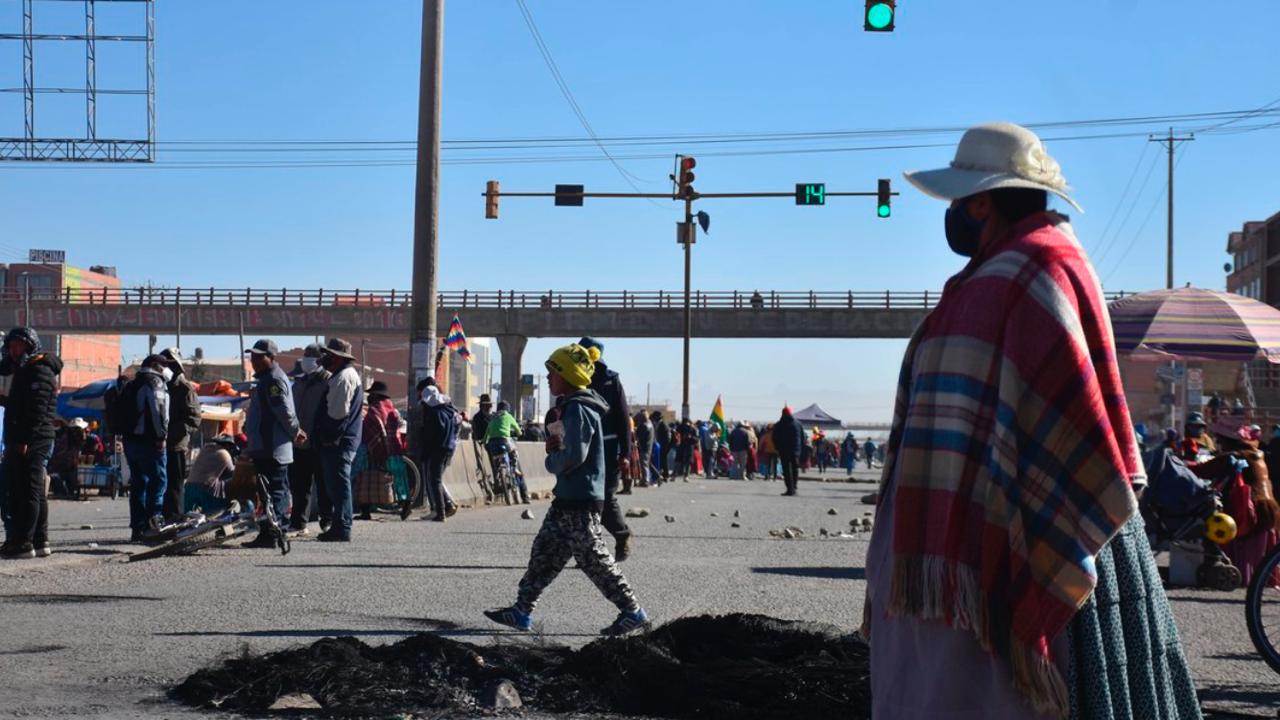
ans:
(86, 358)
(1255, 272)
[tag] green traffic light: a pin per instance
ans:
(879, 17)
(883, 211)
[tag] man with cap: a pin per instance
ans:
(310, 390)
(338, 434)
(184, 421)
(617, 445)
(272, 427)
(28, 442)
(571, 528)
(1196, 438)
(144, 407)
(211, 472)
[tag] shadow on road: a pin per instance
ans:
(34, 650)
(350, 632)
(1238, 694)
(71, 599)
(826, 573)
(647, 537)
(364, 566)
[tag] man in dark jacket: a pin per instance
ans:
(437, 439)
(28, 442)
(788, 440)
(310, 390)
(184, 421)
(617, 446)
(480, 421)
(145, 411)
(273, 430)
(662, 436)
(644, 441)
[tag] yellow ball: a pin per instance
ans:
(1220, 528)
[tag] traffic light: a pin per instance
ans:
(882, 198)
(879, 15)
(491, 200)
(685, 176)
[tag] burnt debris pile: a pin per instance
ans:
(734, 666)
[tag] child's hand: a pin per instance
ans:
(554, 443)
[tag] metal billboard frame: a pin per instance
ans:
(90, 148)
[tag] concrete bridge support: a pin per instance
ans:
(512, 349)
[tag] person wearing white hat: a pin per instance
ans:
(1008, 492)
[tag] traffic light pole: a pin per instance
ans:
(687, 238)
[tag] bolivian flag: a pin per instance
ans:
(717, 419)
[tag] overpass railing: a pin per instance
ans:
(495, 299)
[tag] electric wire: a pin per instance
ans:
(1180, 150)
(1112, 241)
(550, 61)
(1115, 212)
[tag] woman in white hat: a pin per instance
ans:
(1009, 575)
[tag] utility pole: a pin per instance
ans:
(1169, 146)
(426, 249)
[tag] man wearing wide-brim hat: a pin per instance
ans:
(338, 435)
(1007, 494)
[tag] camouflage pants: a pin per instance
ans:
(577, 534)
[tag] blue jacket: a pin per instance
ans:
(438, 435)
(579, 463)
(271, 424)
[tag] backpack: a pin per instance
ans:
(121, 407)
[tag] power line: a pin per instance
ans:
(377, 162)
(1115, 212)
(1111, 244)
(568, 94)
(1182, 152)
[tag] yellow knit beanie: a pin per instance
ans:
(573, 363)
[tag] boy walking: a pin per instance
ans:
(575, 454)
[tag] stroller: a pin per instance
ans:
(1175, 508)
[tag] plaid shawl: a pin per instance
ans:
(1013, 450)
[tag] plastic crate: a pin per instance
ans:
(101, 477)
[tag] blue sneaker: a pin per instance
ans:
(511, 617)
(627, 623)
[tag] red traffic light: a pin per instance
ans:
(687, 163)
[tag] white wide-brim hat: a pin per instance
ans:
(993, 156)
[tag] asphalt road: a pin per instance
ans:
(85, 635)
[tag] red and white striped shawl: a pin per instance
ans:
(1013, 452)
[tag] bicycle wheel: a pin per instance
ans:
(193, 543)
(1262, 609)
(502, 479)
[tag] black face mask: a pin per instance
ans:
(964, 233)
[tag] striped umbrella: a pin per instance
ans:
(1195, 324)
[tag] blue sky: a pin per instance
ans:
(293, 70)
